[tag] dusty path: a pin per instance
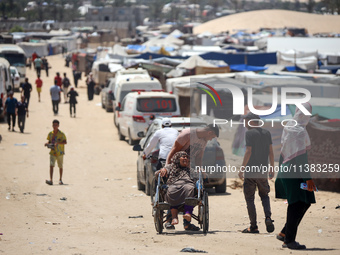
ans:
(100, 187)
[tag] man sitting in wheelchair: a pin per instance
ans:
(181, 185)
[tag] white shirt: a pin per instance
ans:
(55, 90)
(166, 138)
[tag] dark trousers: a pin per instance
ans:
(55, 105)
(295, 213)
(72, 105)
(249, 188)
(46, 69)
(9, 117)
(27, 99)
(38, 69)
(21, 122)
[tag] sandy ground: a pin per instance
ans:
(101, 193)
(254, 20)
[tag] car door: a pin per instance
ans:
(123, 117)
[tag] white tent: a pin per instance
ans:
(303, 59)
(193, 62)
(29, 48)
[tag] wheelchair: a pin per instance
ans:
(160, 206)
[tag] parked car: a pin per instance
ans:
(213, 155)
(15, 78)
(107, 95)
(137, 107)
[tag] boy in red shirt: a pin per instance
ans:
(39, 84)
(58, 79)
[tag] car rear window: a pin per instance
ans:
(156, 104)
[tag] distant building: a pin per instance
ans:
(134, 15)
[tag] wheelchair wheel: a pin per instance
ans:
(205, 212)
(158, 219)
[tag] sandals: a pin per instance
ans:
(269, 225)
(168, 225)
(294, 246)
(174, 221)
(49, 182)
(187, 217)
(281, 238)
(251, 230)
(191, 227)
(61, 183)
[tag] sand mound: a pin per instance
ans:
(254, 20)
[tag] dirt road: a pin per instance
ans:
(101, 193)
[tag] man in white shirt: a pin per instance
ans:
(55, 95)
(166, 138)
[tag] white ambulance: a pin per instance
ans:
(136, 109)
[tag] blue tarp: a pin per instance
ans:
(293, 69)
(242, 67)
(252, 59)
(136, 47)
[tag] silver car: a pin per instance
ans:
(15, 78)
(107, 95)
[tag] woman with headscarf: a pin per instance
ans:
(181, 185)
(90, 86)
(295, 143)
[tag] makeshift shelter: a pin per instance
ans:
(269, 81)
(302, 59)
(186, 88)
(102, 70)
(248, 58)
(318, 78)
(193, 62)
(40, 48)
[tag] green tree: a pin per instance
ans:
(16, 29)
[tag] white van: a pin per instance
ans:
(128, 85)
(136, 109)
(16, 56)
(5, 83)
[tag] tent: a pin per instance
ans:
(29, 48)
(269, 81)
(193, 62)
(253, 59)
(302, 59)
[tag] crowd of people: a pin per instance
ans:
(182, 152)
(176, 151)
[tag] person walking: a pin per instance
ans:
(90, 86)
(22, 112)
(295, 143)
(56, 142)
(55, 95)
(66, 84)
(166, 138)
(10, 109)
(39, 84)
(38, 65)
(45, 65)
(72, 94)
(26, 91)
(258, 150)
(59, 80)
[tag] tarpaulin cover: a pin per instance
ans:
(253, 59)
(244, 67)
